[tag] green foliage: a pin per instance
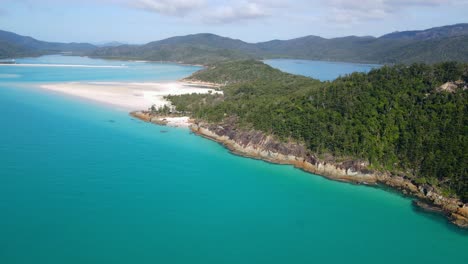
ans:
(8, 50)
(430, 46)
(240, 71)
(394, 117)
(194, 49)
(13, 45)
(164, 110)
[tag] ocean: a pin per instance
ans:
(86, 183)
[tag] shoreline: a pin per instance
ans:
(428, 198)
(146, 61)
(129, 96)
(171, 121)
(200, 84)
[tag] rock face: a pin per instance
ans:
(256, 144)
(147, 117)
(452, 87)
(141, 115)
(448, 87)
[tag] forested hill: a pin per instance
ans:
(240, 71)
(194, 49)
(448, 43)
(432, 33)
(13, 45)
(430, 46)
(408, 120)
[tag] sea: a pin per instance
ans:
(82, 182)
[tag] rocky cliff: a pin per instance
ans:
(256, 144)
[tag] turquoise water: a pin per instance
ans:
(83, 183)
(321, 70)
(126, 71)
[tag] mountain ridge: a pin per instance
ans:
(15, 45)
(436, 32)
(450, 43)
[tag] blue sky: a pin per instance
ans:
(141, 21)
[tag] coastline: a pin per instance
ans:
(172, 121)
(145, 61)
(256, 145)
(129, 96)
(201, 84)
(259, 146)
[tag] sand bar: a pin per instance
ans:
(129, 96)
(63, 65)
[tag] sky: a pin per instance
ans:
(142, 21)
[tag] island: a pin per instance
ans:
(399, 126)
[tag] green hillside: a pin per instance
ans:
(396, 117)
(430, 46)
(183, 53)
(239, 71)
(14, 45)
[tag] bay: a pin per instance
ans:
(321, 70)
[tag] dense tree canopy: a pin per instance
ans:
(395, 117)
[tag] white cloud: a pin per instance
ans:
(210, 11)
(338, 12)
(169, 7)
(207, 11)
(234, 13)
(353, 11)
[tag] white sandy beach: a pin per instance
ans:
(129, 96)
(183, 121)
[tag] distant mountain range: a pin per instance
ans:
(14, 45)
(109, 44)
(447, 43)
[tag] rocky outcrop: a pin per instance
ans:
(255, 144)
(197, 83)
(451, 87)
(258, 145)
(148, 117)
(143, 115)
(172, 120)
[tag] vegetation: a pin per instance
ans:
(183, 53)
(240, 71)
(8, 50)
(13, 45)
(430, 46)
(396, 117)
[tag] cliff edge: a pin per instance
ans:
(258, 145)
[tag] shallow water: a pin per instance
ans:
(84, 183)
(120, 70)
